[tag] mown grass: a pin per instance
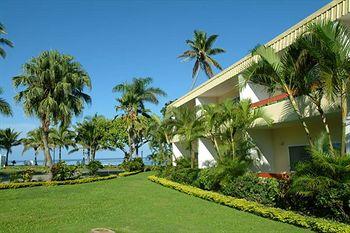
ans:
(129, 204)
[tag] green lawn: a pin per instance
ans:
(129, 204)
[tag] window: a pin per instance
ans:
(298, 154)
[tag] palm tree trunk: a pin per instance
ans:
(344, 111)
(59, 153)
(88, 155)
(192, 156)
(326, 127)
(7, 157)
(45, 127)
(298, 112)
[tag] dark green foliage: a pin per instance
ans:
(208, 179)
(253, 188)
(323, 185)
(185, 175)
(61, 171)
(93, 167)
(135, 164)
(183, 162)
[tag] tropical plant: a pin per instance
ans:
(92, 134)
(323, 183)
(5, 108)
(159, 140)
(201, 49)
(34, 141)
(8, 139)
(117, 135)
(62, 137)
(272, 70)
(93, 167)
(187, 126)
(226, 125)
(132, 102)
(52, 89)
(4, 41)
(329, 43)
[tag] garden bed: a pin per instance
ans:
(65, 182)
(316, 224)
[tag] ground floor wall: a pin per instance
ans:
(275, 143)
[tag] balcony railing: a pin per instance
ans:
(271, 100)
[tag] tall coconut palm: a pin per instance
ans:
(62, 138)
(33, 141)
(201, 49)
(8, 139)
(52, 89)
(132, 102)
(188, 127)
(4, 41)
(5, 108)
(329, 43)
(271, 70)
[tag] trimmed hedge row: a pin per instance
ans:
(316, 224)
(65, 182)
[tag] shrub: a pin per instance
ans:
(323, 185)
(183, 162)
(185, 175)
(319, 225)
(253, 188)
(93, 167)
(208, 179)
(27, 174)
(61, 171)
(135, 164)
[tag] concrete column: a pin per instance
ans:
(206, 150)
(206, 153)
(178, 151)
(347, 129)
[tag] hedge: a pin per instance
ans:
(65, 182)
(316, 224)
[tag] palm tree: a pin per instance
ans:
(8, 139)
(4, 41)
(92, 135)
(303, 75)
(159, 140)
(201, 50)
(132, 102)
(5, 108)
(62, 137)
(34, 141)
(188, 127)
(226, 125)
(52, 89)
(272, 70)
(329, 43)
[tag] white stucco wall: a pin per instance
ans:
(178, 151)
(206, 152)
(252, 91)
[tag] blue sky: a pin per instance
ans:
(118, 40)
